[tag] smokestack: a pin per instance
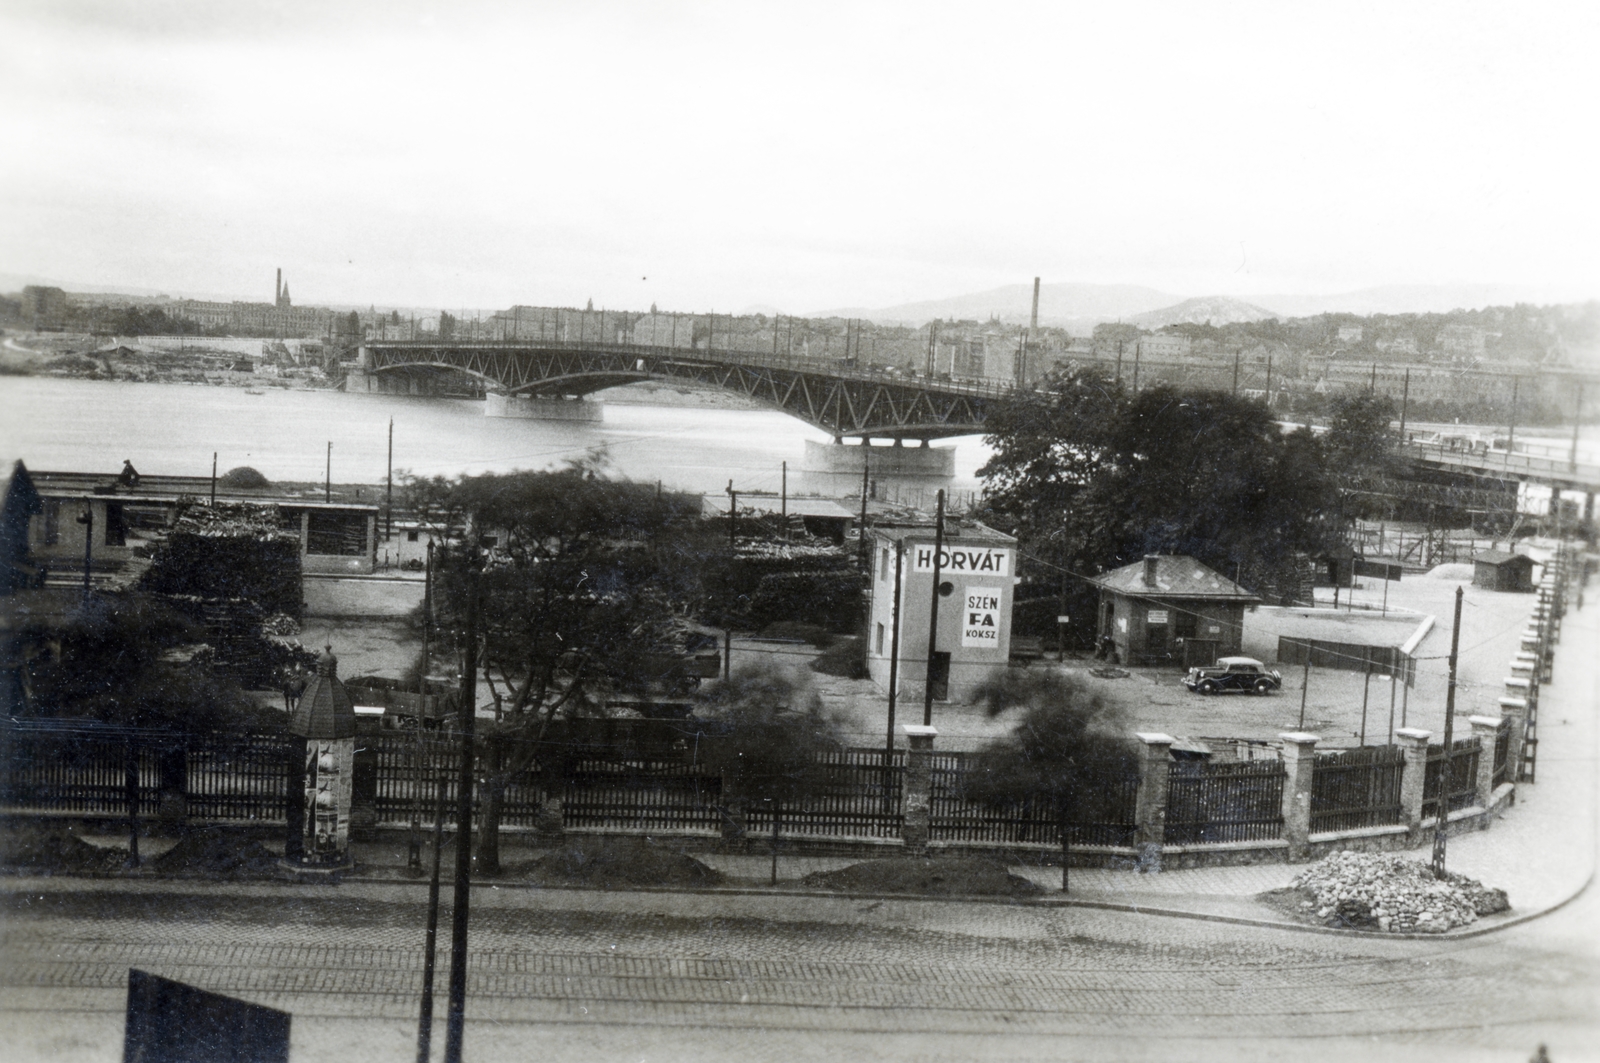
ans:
(277, 291)
(1033, 321)
(1150, 569)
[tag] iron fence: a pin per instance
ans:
(1225, 802)
(1356, 788)
(240, 777)
(79, 769)
(859, 796)
(1462, 789)
(1502, 752)
(1104, 815)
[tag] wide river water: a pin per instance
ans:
(172, 429)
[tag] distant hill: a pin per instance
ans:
(1065, 304)
(1206, 310)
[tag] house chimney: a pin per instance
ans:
(277, 288)
(1150, 569)
(1033, 321)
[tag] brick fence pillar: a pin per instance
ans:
(1299, 756)
(1486, 729)
(917, 788)
(1515, 712)
(1150, 807)
(1414, 744)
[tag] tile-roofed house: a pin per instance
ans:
(1170, 609)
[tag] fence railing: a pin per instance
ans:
(1225, 802)
(1356, 788)
(1462, 788)
(59, 767)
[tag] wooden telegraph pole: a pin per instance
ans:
(1442, 819)
(456, 1010)
(933, 612)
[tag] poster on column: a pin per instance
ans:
(980, 620)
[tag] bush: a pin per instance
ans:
(843, 658)
(243, 477)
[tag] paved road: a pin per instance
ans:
(583, 975)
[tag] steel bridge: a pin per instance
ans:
(842, 400)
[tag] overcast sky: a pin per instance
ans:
(709, 156)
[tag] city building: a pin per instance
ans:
(977, 577)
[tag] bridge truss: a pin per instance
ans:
(840, 400)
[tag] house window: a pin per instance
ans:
(877, 642)
(1184, 624)
(883, 566)
(411, 536)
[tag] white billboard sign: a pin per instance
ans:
(962, 560)
(980, 619)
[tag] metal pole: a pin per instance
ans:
(327, 482)
(388, 504)
(1511, 432)
(1405, 400)
(1442, 819)
(87, 520)
(213, 479)
(1269, 381)
(130, 764)
(894, 661)
(1577, 417)
(1305, 684)
(1238, 354)
(431, 937)
(933, 612)
(1391, 704)
(1366, 691)
(866, 463)
(456, 1010)
(783, 503)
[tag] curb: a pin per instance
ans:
(1023, 902)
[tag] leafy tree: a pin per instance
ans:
(580, 581)
(109, 667)
(1090, 477)
(1358, 444)
(1066, 747)
(770, 750)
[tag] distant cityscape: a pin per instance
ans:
(1463, 361)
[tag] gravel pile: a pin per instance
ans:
(1393, 893)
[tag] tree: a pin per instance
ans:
(580, 582)
(1089, 477)
(1064, 751)
(1359, 444)
(774, 735)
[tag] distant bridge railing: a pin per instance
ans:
(976, 387)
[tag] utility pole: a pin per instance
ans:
(1119, 363)
(783, 498)
(430, 938)
(213, 479)
(1366, 690)
(327, 481)
(1405, 399)
(894, 662)
(1305, 685)
(1269, 381)
(1237, 354)
(388, 504)
(456, 1009)
(727, 631)
(1442, 820)
(933, 612)
(1577, 418)
(1138, 348)
(87, 520)
(866, 462)
(1511, 433)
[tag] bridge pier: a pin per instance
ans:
(835, 469)
(541, 408)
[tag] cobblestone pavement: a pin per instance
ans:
(590, 975)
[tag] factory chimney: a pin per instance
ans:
(1033, 321)
(277, 290)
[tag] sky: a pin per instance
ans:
(707, 156)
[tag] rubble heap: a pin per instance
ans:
(1393, 893)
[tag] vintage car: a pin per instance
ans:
(1233, 673)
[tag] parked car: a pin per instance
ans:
(1233, 673)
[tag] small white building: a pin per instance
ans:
(977, 577)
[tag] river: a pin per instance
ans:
(172, 429)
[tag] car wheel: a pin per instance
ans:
(1208, 687)
(1263, 686)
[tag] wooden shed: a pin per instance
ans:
(1500, 571)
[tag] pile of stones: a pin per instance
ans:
(1393, 893)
